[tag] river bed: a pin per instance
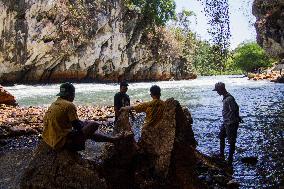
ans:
(261, 106)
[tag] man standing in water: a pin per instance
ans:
(62, 127)
(121, 99)
(231, 120)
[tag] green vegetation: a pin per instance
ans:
(250, 56)
(154, 12)
(206, 58)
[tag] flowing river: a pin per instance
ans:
(261, 106)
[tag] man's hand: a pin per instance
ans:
(126, 108)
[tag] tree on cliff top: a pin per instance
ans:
(154, 12)
(251, 56)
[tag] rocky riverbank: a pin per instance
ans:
(22, 121)
(273, 77)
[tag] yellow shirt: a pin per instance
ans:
(154, 111)
(57, 122)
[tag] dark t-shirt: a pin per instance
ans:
(121, 100)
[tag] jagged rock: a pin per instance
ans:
(119, 159)
(61, 40)
(6, 97)
(270, 25)
(233, 184)
(250, 160)
(165, 157)
(158, 141)
(55, 170)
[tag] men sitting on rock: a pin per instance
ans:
(153, 109)
(62, 127)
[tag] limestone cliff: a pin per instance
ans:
(58, 40)
(270, 25)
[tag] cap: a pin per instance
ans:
(219, 86)
(66, 89)
(124, 83)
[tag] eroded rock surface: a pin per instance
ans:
(165, 157)
(270, 25)
(51, 169)
(61, 40)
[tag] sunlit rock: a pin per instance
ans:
(55, 41)
(6, 97)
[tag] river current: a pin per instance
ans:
(261, 107)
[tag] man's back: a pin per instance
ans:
(154, 111)
(230, 110)
(57, 122)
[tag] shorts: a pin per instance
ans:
(229, 132)
(75, 141)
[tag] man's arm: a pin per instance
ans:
(77, 124)
(103, 138)
(126, 108)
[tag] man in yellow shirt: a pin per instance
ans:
(62, 127)
(154, 109)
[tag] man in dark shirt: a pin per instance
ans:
(121, 99)
(231, 120)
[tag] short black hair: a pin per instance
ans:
(155, 90)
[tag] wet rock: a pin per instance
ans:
(50, 169)
(233, 184)
(3, 142)
(6, 97)
(221, 179)
(250, 160)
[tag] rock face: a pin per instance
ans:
(50, 169)
(165, 157)
(58, 40)
(6, 97)
(270, 25)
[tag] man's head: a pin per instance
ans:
(155, 91)
(67, 91)
(123, 87)
(220, 88)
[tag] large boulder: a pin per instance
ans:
(50, 169)
(165, 157)
(6, 97)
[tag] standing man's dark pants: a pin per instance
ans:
(229, 131)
